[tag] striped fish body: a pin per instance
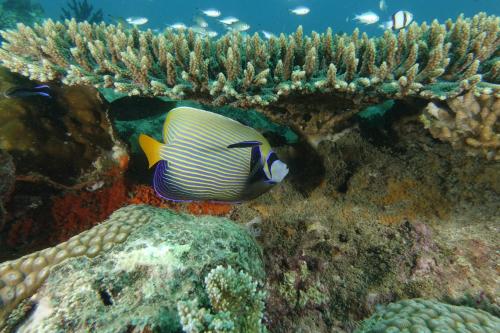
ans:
(195, 162)
(401, 19)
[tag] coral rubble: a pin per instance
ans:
(313, 82)
(142, 260)
(427, 316)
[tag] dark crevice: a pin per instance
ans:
(106, 298)
(344, 186)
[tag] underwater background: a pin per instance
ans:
(274, 16)
(357, 191)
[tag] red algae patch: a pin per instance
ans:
(76, 212)
(143, 194)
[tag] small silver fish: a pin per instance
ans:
(211, 12)
(178, 26)
(382, 5)
(229, 20)
(385, 25)
(367, 17)
(212, 33)
(198, 30)
(136, 20)
(267, 34)
(301, 10)
(239, 26)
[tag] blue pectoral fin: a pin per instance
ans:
(245, 144)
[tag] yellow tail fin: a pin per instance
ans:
(151, 148)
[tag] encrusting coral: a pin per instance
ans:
(334, 75)
(470, 122)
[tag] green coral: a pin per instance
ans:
(429, 316)
(138, 282)
(237, 304)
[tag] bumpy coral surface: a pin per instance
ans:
(106, 286)
(426, 316)
(469, 122)
(21, 277)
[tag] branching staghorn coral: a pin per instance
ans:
(327, 77)
(469, 122)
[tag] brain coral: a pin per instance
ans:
(129, 271)
(428, 316)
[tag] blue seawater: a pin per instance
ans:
(274, 15)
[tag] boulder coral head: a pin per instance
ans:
(428, 316)
(142, 261)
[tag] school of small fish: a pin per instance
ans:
(398, 20)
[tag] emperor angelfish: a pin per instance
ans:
(207, 156)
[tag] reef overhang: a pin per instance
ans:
(311, 82)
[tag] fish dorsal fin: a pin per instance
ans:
(151, 148)
(245, 144)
